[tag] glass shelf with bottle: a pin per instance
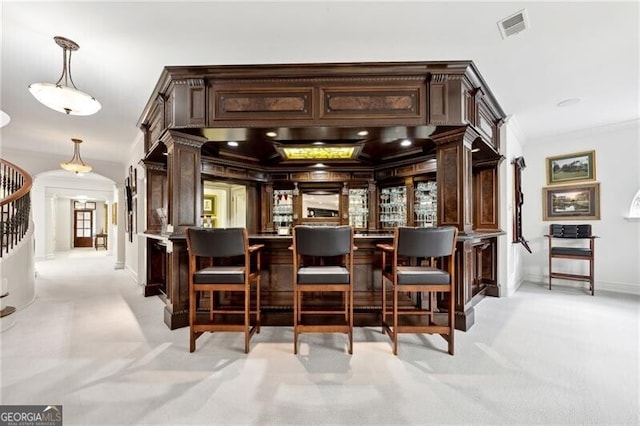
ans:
(393, 206)
(282, 209)
(358, 207)
(425, 207)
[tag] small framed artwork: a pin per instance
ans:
(580, 166)
(209, 205)
(570, 202)
(114, 213)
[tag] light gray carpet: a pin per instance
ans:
(94, 344)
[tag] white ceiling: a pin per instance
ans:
(572, 49)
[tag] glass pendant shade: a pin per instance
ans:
(76, 165)
(65, 99)
(4, 118)
(63, 96)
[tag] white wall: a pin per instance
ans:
(64, 230)
(617, 265)
(135, 247)
(238, 206)
(510, 255)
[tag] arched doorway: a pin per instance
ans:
(56, 197)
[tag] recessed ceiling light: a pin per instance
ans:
(569, 102)
(475, 150)
(232, 143)
(318, 143)
(271, 134)
(363, 133)
(405, 142)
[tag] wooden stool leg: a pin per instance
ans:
(295, 320)
(192, 321)
(258, 309)
(395, 320)
(247, 316)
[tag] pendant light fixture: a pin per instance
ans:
(76, 165)
(63, 96)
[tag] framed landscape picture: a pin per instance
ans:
(580, 166)
(571, 202)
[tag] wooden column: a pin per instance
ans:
(454, 178)
(184, 196)
(455, 208)
(156, 190)
(372, 204)
(184, 181)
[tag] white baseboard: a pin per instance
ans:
(627, 288)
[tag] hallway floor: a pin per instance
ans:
(91, 342)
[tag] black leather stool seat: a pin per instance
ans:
(421, 274)
(219, 275)
(323, 275)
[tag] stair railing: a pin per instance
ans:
(15, 205)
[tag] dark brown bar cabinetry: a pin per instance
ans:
(447, 176)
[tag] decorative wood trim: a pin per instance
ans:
(186, 103)
(151, 165)
(379, 102)
(259, 104)
(486, 199)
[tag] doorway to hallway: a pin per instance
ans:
(82, 228)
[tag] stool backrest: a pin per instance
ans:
(217, 242)
(425, 242)
(323, 240)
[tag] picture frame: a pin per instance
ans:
(114, 213)
(209, 205)
(571, 202)
(576, 167)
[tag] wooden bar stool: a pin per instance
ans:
(420, 260)
(232, 266)
(323, 263)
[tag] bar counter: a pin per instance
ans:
(277, 275)
(476, 276)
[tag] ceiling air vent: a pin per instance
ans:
(513, 24)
